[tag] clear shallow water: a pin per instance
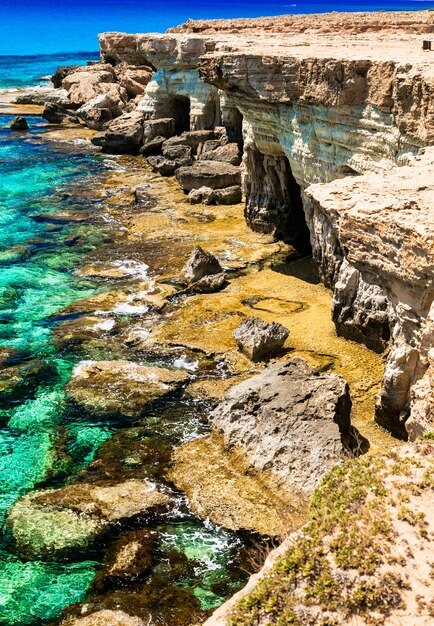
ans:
(43, 441)
(44, 26)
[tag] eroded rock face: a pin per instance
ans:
(290, 420)
(260, 340)
(120, 387)
(384, 230)
(55, 114)
(212, 174)
(55, 523)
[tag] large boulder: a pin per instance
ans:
(55, 114)
(180, 154)
(201, 263)
(90, 82)
(205, 195)
(124, 134)
(291, 421)
(152, 147)
(260, 340)
(212, 174)
(229, 153)
(120, 387)
(162, 127)
(19, 123)
(194, 138)
(59, 523)
(99, 111)
(62, 72)
(42, 95)
(162, 165)
(133, 78)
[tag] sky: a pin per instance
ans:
(51, 26)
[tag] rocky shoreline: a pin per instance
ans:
(330, 151)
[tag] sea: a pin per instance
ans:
(37, 279)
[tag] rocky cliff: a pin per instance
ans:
(312, 107)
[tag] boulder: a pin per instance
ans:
(42, 95)
(90, 82)
(124, 134)
(152, 147)
(194, 138)
(229, 153)
(210, 284)
(200, 264)
(62, 72)
(19, 123)
(56, 523)
(205, 195)
(120, 387)
(127, 559)
(105, 617)
(55, 114)
(180, 154)
(291, 421)
(213, 174)
(162, 127)
(133, 78)
(260, 340)
(99, 110)
(163, 166)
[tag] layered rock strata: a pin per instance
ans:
(307, 109)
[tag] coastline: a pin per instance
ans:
(157, 226)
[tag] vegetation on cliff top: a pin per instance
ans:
(364, 552)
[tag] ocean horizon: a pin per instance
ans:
(44, 27)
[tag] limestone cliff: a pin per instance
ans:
(312, 107)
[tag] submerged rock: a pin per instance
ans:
(57, 522)
(213, 174)
(19, 123)
(201, 263)
(260, 340)
(105, 617)
(120, 387)
(289, 420)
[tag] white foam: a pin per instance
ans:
(106, 324)
(182, 362)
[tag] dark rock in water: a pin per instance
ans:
(162, 165)
(210, 284)
(56, 114)
(200, 264)
(124, 134)
(213, 174)
(127, 559)
(260, 340)
(162, 127)
(60, 523)
(205, 195)
(152, 147)
(19, 123)
(229, 153)
(180, 154)
(61, 73)
(289, 420)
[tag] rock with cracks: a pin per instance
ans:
(213, 174)
(201, 263)
(124, 134)
(260, 340)
(290, 421)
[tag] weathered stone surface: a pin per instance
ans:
(162, 165)
(120, 387)
(180, 154)
(152, 147)
(213, 174)
(43, 95)
(260, 340)
(62, 72)
(289, 420)
(99, 110)
(19, 123)
(229, 153)
(206, 195)
(105, 617)
(127, 559)
(56, 114)
(133, 78)
(54, 523)
(192, 138)
(92, 81)
(164, 127)
(124, 134)
(201, 263)
(210, 284)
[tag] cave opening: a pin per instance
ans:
(233, 123)
(180, 111)
(274, 202)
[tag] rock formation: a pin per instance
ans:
(309, 109)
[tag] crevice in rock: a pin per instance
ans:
(273, 199)
(180, 110)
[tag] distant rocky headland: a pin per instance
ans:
(323, 126)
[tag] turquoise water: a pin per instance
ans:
(44, 441)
